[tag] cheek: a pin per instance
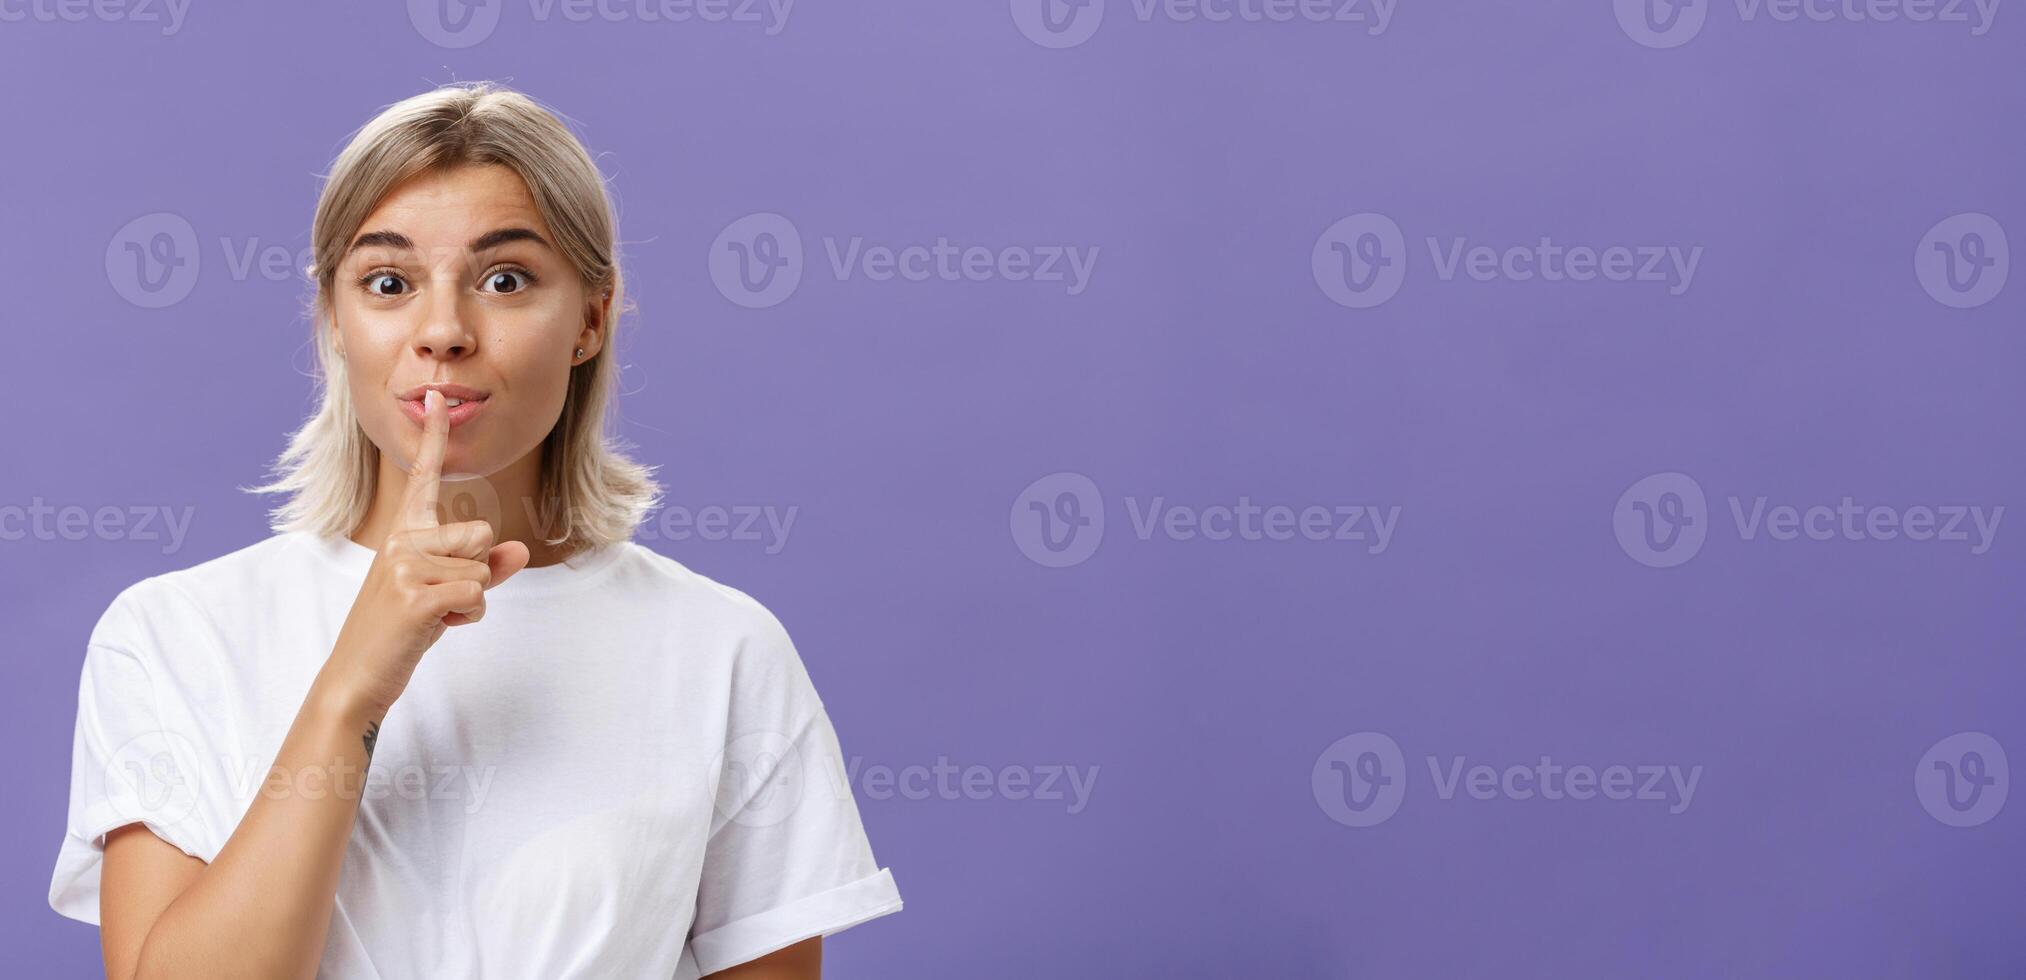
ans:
(367, 335)
(527, 352)
(372, 349)
(369, 356)
(539, 379)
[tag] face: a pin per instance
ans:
(453, 280)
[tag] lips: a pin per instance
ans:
(464, 403)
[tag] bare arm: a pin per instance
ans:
(802, 961)
(262, 908)
(141, 876)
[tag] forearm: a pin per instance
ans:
(262, 907)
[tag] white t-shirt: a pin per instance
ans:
(621, 771)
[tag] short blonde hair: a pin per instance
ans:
(590, 490)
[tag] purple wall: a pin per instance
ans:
(1570, 302)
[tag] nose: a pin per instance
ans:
(446, 332)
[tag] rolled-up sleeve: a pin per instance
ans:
(788, 858)
(129, 764)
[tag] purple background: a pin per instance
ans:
(1202, 678)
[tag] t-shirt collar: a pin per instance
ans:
(580, 571)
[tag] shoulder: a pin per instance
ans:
(701, 600)
(189, 598)
(721, 625)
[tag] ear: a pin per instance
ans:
(597, 316)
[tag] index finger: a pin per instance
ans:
(426, 478)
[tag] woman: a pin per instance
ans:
(606, 765)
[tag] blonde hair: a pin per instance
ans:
(588, 487)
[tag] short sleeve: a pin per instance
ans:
(788, 857)
(129, 764)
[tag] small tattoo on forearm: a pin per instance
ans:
(372, 735)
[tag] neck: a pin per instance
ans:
(509, 500)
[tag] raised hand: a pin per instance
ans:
(427, 577)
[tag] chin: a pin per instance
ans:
(469, 462)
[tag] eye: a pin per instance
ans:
(507, 279)
(383, 284)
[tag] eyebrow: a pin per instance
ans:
(491, 239)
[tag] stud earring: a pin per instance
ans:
(580, 352)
